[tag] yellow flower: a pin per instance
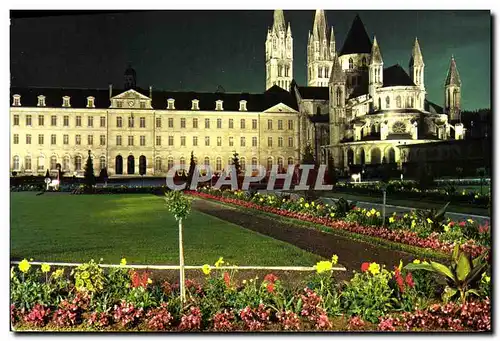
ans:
(335, 259)
(368, 214)
(45, 267)
(219, 263)
(374, 268)
(391, 220)
(400, 265)
(261, 199)
(150, 281)
(306, 205)
(405, 216)
(312, 203)
(470, 221)
(58, 273)
(373, 211)
(24, 266)
(378, 214)
(244, 281)
(283, 200)
(12, 273)
(123, 262)
(332, 215)
(301, 200)
(447, 228)
(416, 261)
(429, 220)
(206, 269)
(425, 262)
(413, 223)
(323, 266)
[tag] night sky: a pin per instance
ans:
(199, 50)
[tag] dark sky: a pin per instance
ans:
(198, 50)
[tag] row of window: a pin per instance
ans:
(142, 122)
(399, 102)
(142, 140)
(77, 162)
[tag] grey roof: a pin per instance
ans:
(395, 75)
(453, 78)
(314, 92)
(357, 40)
(255, 102)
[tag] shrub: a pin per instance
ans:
(88, 277)
(224, 321)
(127, 314)
(255, 319)
(99, 319)
(38, 316)
(192, 320)
(67, 315)
(159, 318)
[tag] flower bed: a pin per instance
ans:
(124, 299)
(400, 229)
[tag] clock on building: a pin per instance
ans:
(130, 103)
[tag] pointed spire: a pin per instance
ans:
(453, 78)
(376, 55)
(320, 25)
(332, 39)
(289, 30)
(337, 74)
(416, 55)
(279, 21)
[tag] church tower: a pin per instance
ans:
(279, 53)
(337, 102)
(376, 73)
(452, 93)
(130, 78)
(416, 66)
(320, 51)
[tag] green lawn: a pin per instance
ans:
(77, 228)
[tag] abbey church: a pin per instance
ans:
(353, 111)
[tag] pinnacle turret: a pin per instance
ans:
(453, 78)
(333, 48)
(337, 74)
(320, 26)
(416, 55)
(279, 21)
(376, 56)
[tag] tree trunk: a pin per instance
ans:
(181, 264)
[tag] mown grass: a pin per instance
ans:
(77, 228)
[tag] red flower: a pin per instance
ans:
(452, 223)
(271, 278)
(462, 223)
(227, 280)
(365, 266)
(399, 279)
(270, 287)
(409, 280)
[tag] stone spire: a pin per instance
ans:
(289, 30)
(376, 55)
(453, 78)
(337, 74)
(416, 55)
(279, 21)
(333, 49)
(320, 25)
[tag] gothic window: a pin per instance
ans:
(387, 102)
(351, 63)
(318, 111)
(363, 61)
(327, 73)
(280, 70)
(287, 70)
(380, 103)
(339, 97)
(455, 95)
(399, 127)
(320, 72)
(398, 101)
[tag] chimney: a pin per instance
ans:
(110, 91)
(150, 92)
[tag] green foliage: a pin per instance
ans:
(26, 289)
(178, 204)
(141, 297)
(89, 178)
(118, 282)
(462, 277)
(433, 219)
(308, 156)
(368, 296)
(192, 167)
(236, 162)
(88, 277)
(342, 207)
(325, 285)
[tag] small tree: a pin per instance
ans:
(308, 156)
(179, 205)
(236, 162)
(103, 175)
(89, 179)
(192, 167)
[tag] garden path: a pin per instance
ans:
(351, 253)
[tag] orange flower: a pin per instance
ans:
(227, 279)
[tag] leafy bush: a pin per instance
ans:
(89, 277)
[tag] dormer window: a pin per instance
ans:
(143, 105)
(16, 101)
(195, 104)
(41, 101)
(66, 101)
(243, 105)
(90, 102)
(218, 105)
(351, 64)
(171, 104)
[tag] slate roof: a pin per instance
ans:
(395, 75)
(319, 118)
(314, 92)
(433, 108)
(357, 40)
(255, 102)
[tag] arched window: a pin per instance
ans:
(455, 95)
(290, 161)
(218, 164)
(318, 111)
(41, 163)
(78, 163)
(119, 164)
(206, 162)
(15, 163)
(320, 72)
(27, 163)
(158, 164)
(351, 64)
(411, 102)
(65, 165)
(269, 163)
(53, 162)
(380, 103)
(327, 72)
(243, 164)
(375, 156)
(387, 102)
(280, 70)
(363, 61)
(280, 164)
(339, 97)
(102, 162)
(350, 156)
(183, 163)
(130, 164)
(391, 155)
(254, 163)
(170, 162)
(398, 101)
(142, 165)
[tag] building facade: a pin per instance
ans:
(354, 111)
